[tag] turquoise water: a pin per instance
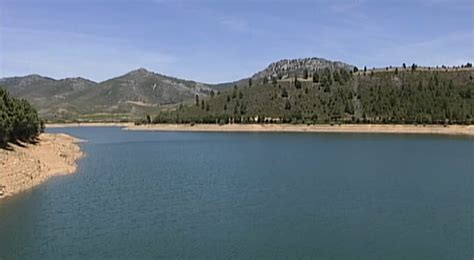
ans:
(250, 195)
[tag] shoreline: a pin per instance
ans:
(63, 125)
(29, 165)
(462, 130)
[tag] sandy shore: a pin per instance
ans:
(25, 167)
(88, 125)
(389, 129)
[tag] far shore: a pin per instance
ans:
(27, 165)
(99, 124)
(467, 130)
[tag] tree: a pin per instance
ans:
(297, 83)
(19, 121)
(288, 105)
(243, 109)
(284, 93)
(336, 77)
(274, 81)
(234, 93)
(315, 77)
(197, 100)
(250, 82)
(345, 75)
(404, 66)
(305, 74)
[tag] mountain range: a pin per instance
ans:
(136, 93)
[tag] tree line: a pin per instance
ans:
(19, 120)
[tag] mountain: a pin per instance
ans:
(325, 91)
(138, 90)
(288, 68)
(133, 94)
(38, 87)
(136, 93)
(46, 94)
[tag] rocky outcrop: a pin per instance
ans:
(289, 67)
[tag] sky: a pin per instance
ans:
(216, 41)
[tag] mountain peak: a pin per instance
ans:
(140, 71)
(286, 67)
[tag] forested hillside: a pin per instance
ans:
(19, 121)
(399, 96)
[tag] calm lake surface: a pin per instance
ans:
(250, 195)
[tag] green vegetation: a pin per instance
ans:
(405, 95)
(19, 121)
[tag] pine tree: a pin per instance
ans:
(305, 74)
(315, 77)
(19, 121)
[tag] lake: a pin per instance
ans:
(250, 195)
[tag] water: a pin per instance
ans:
(250, 195)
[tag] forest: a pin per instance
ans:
(19, 120)
(405, 95)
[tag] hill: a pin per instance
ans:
(398, 95)
(286, 69)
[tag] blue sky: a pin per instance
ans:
(216, 41)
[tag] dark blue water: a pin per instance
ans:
(250, 195)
